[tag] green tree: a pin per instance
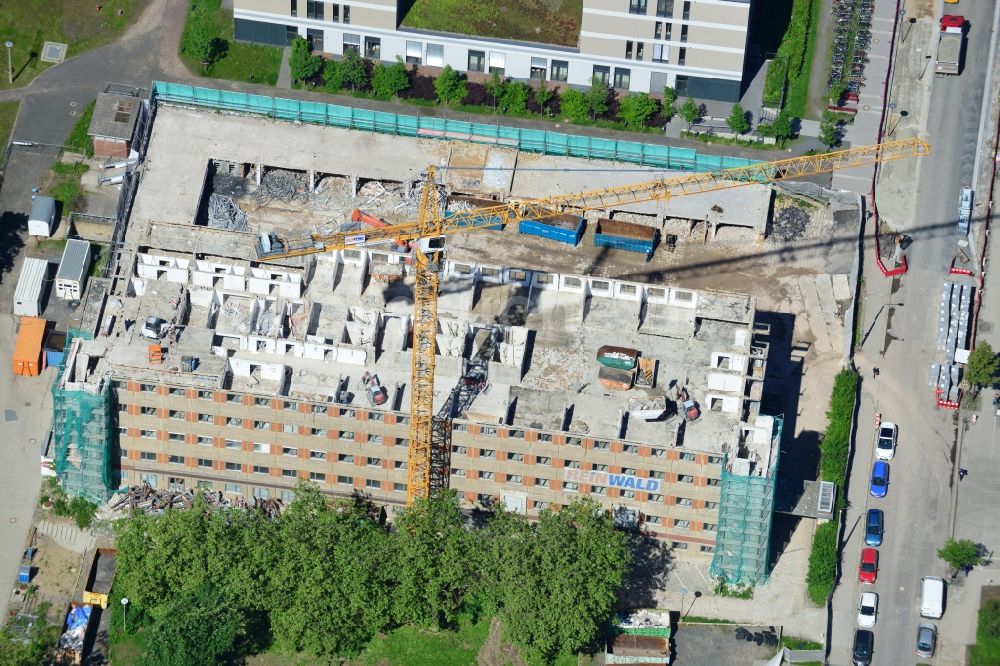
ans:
(544, 96)
(961, 554)
(333, 76)
(690, 111)
(781, 127)
(669, 98)
(353, 71)
(737, 120)
(636, 109)
(829, 130)
(203, 43)
(195, 629)
(302, 63)
(32, 647)
(331, 591)
(495, 86)
(450, 86)
(598, 97)
(389, 81)
(981, 370)
(574, 105)
(432, 562)
(515, 98)
(566, 582)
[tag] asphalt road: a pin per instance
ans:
(918, 506)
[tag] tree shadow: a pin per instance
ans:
(11, 242)
(648, 572)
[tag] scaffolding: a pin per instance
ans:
(746, 508)
(82, 431)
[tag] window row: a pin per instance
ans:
(179, 483)
(259, 447)
(511, 456)
(664, 8)
(316, 9)
(343, 458)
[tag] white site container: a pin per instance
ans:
(42, 219)
(72, 274)
(30, 287)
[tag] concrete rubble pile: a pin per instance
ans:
(283, 185)
(223, 213)
(151, 500)
(789, 223)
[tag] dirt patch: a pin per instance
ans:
(496, 651)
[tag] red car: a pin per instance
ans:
(868, 569)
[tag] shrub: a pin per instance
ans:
(450, 86)
(515, 98)
(389, 81)
(822, 563)
(353, 71)
(302, 63)
(333, 76)
(574, 105)
(543, 97)
(598, 97)
(737, 120)
(635, 110)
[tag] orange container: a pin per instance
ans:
(28, 347)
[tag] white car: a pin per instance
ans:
(867, 609)
(885, 443)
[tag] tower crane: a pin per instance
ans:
(429, 434)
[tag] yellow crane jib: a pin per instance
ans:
(428, 432)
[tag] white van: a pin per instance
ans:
(932, 597)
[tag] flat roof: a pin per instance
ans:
(553, 22)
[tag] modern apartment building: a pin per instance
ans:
(197, 366)
(696, 46)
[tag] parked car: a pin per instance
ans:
(885, 443)
(926, 639)
(864, 645)
(874, 526)
(867, 609)
(880, 478)
(868, 569)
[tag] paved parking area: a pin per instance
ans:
(717, 645)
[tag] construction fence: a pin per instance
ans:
(82, 433)
(429, 127)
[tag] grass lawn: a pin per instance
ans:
(793, 643)
(8, 114)
(552, 22)
(240, 62)
(78, 141)
(30, 23)
(408, 646)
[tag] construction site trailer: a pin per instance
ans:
(30, 286)
(42, 220)
(72, 275)
(27, 359)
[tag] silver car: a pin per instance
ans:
(926, 639)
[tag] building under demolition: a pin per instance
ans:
(197, 365)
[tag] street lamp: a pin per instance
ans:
(124, 605)
(10, 67)
(906, 34)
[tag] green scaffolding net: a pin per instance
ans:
(448, 129)
(746, 508)
(82, 432)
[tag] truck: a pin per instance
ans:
(951, 41)
(82, 618)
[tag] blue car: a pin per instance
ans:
(880, 478)
(873, 527)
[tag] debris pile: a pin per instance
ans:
(223, 213)
(283, 185)
(790, 223)
(146, 498)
